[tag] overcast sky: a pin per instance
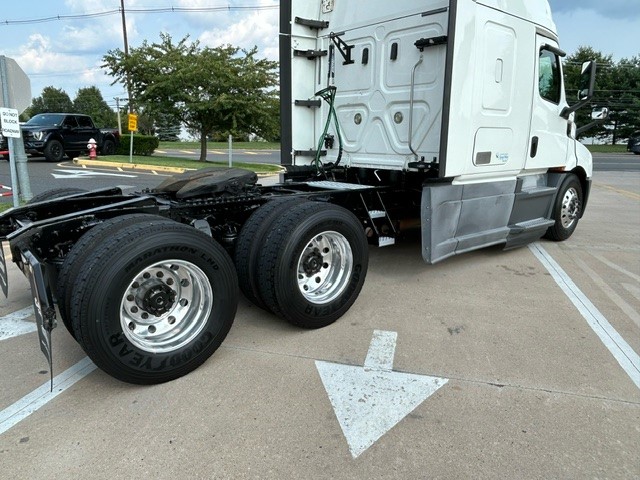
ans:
(67, 53)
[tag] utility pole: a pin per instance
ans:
(126, 51)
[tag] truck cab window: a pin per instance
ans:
(549, 76)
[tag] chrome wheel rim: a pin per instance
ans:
(166, 306)
(324, 267)
(570, 207)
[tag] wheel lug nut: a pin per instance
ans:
(169, 281)
(184, 302)
(152, 329)
(135, 285)
(145, 315)
(134, 309)
(130, 298)
(159, 274)
(146, 275)
(132, 326)
(171, 320)
(184, 283)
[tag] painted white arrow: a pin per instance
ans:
(14, 324)
(71, 173)
(369, 401)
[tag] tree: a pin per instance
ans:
(90, 102)
(617, 88)
(213, 91)
(51, 100)
(167, 128)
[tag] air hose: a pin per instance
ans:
(329, 95)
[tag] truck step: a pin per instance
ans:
(535, 224)
(329, 185)
(386, 241)
(377, 214)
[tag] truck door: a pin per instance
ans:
(71, 134)
(549, 139)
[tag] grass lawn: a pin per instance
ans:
(162, 161)
(220, 146)
(607, 148)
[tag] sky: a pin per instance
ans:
(66, 53)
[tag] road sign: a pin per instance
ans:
(10, 121)
(133, 122)
(18, 85)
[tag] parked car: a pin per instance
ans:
(56, 134)
(634, 143)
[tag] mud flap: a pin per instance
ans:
(43, 308)
(4, 275)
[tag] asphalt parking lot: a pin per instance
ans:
(518, 364)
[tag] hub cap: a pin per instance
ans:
(166, 306)
(324, 267)
(570, 207)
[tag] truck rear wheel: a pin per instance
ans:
(54, 151)
(154, 301)
(82, 251)
(251, 241)
(313, 264)
(566, 210)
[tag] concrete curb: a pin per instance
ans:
(150, 168)
(131, 166)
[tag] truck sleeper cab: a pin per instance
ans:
(446, 117)
(465, 94)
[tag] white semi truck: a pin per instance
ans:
(447, 116)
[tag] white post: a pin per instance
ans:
(119, 120)
(131, 148)
(230, 151)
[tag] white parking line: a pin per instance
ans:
(14, 324)
(30, 403)
(619, 348)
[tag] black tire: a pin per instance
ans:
(108, 147)
(301, 275)
(566, 210)
(131, 304)
(82, 251)
(55, 193)
(251, 241)
(54, 151)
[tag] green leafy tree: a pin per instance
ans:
(90, 102)
(167, 128)
(617, 88)
(51, 100)
(212, 91)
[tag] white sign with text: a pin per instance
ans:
(10, 121)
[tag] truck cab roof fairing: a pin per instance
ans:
(534, 11)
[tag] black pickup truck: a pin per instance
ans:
(56, 134)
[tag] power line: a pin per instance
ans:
(118, 11)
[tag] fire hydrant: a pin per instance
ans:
(92, 146)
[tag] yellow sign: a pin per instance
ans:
(133, 122)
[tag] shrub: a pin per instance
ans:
(142, 144)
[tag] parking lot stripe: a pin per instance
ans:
(13, 325)
(31, 402)
(619, 348)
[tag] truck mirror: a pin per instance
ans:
(600, 113)
(586, 88)
(587, 81)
